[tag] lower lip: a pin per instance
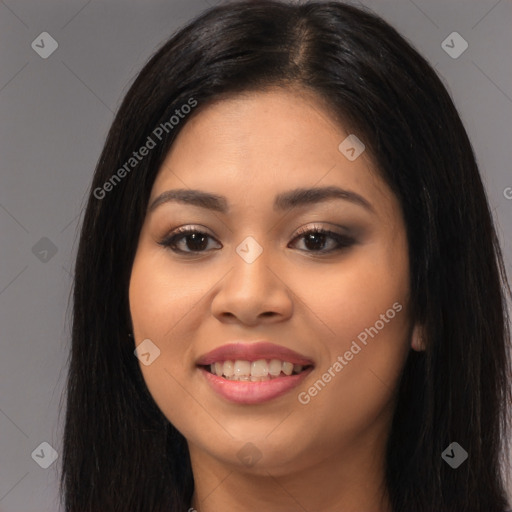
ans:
(253, 392)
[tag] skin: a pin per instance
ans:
(327, 454)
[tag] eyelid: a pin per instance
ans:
(318, 227)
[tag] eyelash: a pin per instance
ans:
(342, 241)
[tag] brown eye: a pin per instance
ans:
(316, 238)
(194, 240)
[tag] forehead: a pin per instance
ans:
(251, 146)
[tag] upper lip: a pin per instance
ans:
(252, 351)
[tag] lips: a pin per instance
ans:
(253, 390)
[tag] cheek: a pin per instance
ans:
(366, 312)
(353, 296)
(158, 297)
(164, 307)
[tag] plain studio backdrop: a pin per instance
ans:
(57, 101)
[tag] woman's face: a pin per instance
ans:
(253, 274)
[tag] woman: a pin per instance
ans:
(289, 292)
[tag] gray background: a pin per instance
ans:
(55, 114)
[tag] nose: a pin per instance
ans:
(253, 293)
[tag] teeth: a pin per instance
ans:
(274, 367)
(255, 371)
(287, 368)
(259, 368)
(228, 369)
(242, 368)
(259, 379)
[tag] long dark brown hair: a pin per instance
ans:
(120, 453)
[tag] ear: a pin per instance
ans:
(418, 339)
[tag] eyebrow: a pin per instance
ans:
(283, 201)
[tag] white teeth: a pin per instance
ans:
(242, 368)
(287, 368)
(259, 368)
(255, 371)
(228, 369)
(274, 367)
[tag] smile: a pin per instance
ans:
(253, 372)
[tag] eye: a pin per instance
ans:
(316, 237)
(189, 237)
(194, 239)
